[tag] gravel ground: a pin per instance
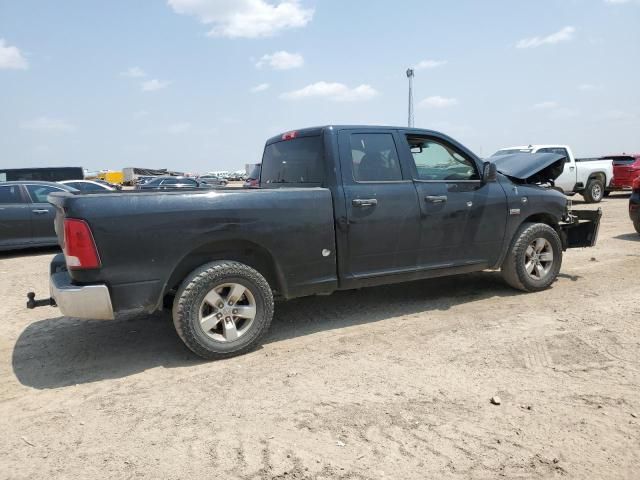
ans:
(389, 382)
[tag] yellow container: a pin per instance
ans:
(112, 176)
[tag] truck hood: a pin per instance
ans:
(530, 167)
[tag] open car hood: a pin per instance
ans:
(530, 167)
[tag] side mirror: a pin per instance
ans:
(489, 172)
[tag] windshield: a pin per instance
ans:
(509, 151)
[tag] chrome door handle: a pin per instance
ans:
(364, 202)
(39, 211)
(436, 198)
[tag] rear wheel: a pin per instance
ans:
(534, 258)
(223, 309)
(594, 191)
(636, 225)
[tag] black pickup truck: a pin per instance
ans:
(339, 207)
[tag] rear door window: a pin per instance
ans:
(374, 157)
(297, 161)
(10, 194)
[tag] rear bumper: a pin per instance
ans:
(582, 229)
(81, 301)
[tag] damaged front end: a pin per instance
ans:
(530, 168)
(579, 228)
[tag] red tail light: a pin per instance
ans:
(79, 248)
(289, 135)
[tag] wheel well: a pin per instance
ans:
(241, 251)
(599, 176)
(543, 218)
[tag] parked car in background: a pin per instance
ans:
(237, 176)
(634, 204)
(26, 217)
(253, 180)
(213, 181)
(172, 183)
(340, 207)
(588, 177)
(90, 185)
(141, 180)
(626, 168)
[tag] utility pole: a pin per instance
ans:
(410, 120)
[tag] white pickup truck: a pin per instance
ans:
(590, 177)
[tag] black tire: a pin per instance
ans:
(594, 192)
(636, 225)
(607, 193)
(190, 297)
(514, 269)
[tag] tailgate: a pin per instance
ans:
(59, 200)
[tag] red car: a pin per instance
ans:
(634, 205)
(626, 168)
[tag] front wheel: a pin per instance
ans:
(594, 191)
(534, 258)
(223, 309)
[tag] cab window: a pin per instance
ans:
(437, 161)
(374, 158)
(298, 161)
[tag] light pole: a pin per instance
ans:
(410, 116)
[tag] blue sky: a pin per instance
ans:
(198, 85)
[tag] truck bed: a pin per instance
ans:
(151, 240)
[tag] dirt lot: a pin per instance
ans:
(391, 382)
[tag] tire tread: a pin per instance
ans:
(209, 271)
(512, 272)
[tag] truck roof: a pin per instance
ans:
(311, 131)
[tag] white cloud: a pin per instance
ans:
(133, 72)
(260, 88)
(425, 64)
(281, 60)
(245, 18)
(48, 124)
(11, 58)
(563, 35)
(338, 92)
(438, 102)
(548, 105)
(154, 85)
(177, 128)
